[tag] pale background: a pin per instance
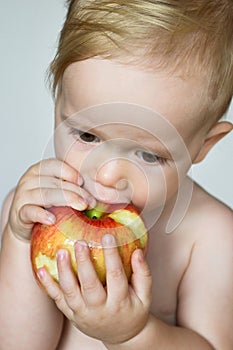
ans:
(28, 37)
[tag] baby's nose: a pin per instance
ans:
(114, 173)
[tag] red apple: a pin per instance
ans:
(90, 225)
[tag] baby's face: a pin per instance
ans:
(132, 134)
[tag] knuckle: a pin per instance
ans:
(69, 292)
(30, 170)
(33, 169)
(57, 298)
(69, 172)
(147, 272)
(21, 213)
(82, 259)
(110, 251)
(57, 183)
(89, 286)
(115, 273)
(23, 182)
(24, 214)
(17, 198)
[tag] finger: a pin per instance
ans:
(68, 281)
(48, 197)
(55, 183)
(54, 292)
(92, 289)
(141, 279)
(29, 214)
(56, 168)
(117, 283)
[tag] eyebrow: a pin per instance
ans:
(155, 146)
(75, 123)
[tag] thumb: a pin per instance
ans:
(141, 279)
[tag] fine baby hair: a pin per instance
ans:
(187, 37)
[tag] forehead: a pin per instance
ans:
(95, 82)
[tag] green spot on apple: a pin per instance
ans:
(94, 214)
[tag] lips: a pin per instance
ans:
(111, 207)
(113, 198)
(106, 194)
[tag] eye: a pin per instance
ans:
(87, 137)
(151, 158)
(84, 137)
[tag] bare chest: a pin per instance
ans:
(168, 259)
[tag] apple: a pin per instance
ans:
(124, 223)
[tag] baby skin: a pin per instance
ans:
(180, 295)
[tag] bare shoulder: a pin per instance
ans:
(208, 217)
(5, 210)
(209, 223)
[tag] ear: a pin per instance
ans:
(216, 133)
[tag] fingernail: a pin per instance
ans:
(109, 241)
(51, 219)
(81, 204)
(140, 256)
(92, 202)
(61, 254)
(40, 273)
(80, 180)
(80, 246)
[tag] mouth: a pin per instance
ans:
(106, 195)
(107, 200)
(108, 207)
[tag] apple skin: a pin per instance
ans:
(125, 224)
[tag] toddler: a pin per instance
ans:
(139, 89)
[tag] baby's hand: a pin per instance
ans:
(113, 314)
(50, 182)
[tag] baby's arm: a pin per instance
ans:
(28, 318)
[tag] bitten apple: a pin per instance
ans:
(125, 224)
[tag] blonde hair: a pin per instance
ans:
(186, 35)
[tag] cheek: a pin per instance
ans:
(60, 142)
(161, 186)
(66, 148)
(74, 157)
